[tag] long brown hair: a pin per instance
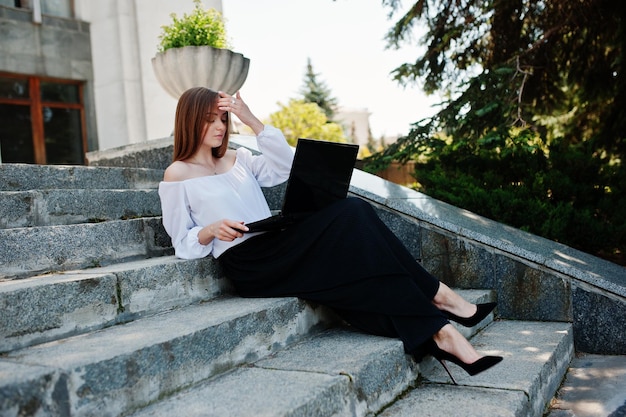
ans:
(190, 122)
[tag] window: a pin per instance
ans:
(61, 8)
(41, 121)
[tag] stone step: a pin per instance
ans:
(21, 177)
(72, 206)
(154, 153)
(42, 374)
(342, 373)
(121, 368)
(536, 359)
(30, 251)
(90, 299)
(335, 373)
(94, 298)
(333, 365)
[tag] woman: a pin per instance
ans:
(343, 256)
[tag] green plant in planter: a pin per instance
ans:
(194, 51)
(203, 27)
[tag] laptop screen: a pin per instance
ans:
(320, 175)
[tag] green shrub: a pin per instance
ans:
(200, 28)
(558, 198)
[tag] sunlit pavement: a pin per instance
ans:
(595, 386)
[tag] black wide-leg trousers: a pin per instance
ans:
(346, 258)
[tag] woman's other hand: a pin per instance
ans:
(226, 230)
(239, 108)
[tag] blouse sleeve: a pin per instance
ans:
(273, 166)
(270, 168)
(179, 224)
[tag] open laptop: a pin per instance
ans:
(320, 175)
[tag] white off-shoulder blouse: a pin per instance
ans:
(190, 205)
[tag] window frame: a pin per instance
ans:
(36, 105)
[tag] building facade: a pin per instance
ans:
(76, 76)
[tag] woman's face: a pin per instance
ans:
(215, 128)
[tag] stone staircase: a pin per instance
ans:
(99, 319)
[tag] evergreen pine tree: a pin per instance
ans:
(533, 131)
(315, 91)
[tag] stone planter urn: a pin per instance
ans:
(178, 69)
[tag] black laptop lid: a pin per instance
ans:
(320, 175)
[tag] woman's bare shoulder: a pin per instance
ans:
(177, 171)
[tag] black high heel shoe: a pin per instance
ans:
(473, 368)
(482, 311)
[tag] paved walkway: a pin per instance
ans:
(595, 386)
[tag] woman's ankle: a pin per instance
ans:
(449, 339)
(447, 300)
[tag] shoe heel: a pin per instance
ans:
(474, 368)
(447, 370)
